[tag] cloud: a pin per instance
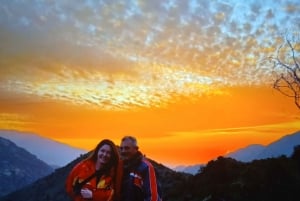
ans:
(142, 53)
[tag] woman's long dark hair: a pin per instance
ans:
(113, 162)
(114, 166)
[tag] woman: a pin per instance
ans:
(96, 178)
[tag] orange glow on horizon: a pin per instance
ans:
(189, 80)
(184, 133)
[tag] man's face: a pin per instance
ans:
(128, 149)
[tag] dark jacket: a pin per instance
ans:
(139, 181)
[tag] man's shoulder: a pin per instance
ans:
(145, 163)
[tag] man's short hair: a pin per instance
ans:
(131, 138)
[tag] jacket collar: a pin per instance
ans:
(134, 161)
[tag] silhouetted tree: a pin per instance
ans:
(287, 69)
(296, 154)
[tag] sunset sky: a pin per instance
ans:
(188, 78)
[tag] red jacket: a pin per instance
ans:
(102, 191)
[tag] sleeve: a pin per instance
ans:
(150, 184)
(70, 181)
(77, 172)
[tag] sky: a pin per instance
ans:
(188, 78)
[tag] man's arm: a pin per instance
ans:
(150, 184)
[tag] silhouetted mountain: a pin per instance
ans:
(283, 146)
(54, 153)
(48, 188)
(221, 179)
(18, 167)
(52, 186)
(231, 180)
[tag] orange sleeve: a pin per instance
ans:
(72, 177)
(69, 182)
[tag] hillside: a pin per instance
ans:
(225, 178)
(51, 187)
(18, 167)
(267, 179)
(222, 179)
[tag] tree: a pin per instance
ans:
(287, 70)
(296, 154)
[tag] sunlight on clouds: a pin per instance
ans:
(182, 66)
(155, 87)
(85, 53)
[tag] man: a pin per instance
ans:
(139, 180)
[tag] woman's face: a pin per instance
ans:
(104, 154)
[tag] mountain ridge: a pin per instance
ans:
(281, 146)
(18, 167)
(54, 153)
(221, 179)
(246, 154)
(55, 189)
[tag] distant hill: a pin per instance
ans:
(18, 167)
(190, 169)
(282, 146)
(248, 153)
(54, 153)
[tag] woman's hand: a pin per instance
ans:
(86, 193)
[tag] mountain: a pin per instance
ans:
(18, 167)
(221, 179)
(54, 153)
(248, 153)
(190, 169)
(282, 146)
(52, 186)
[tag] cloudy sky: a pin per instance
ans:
(188, 78)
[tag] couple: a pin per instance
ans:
(104, 177)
